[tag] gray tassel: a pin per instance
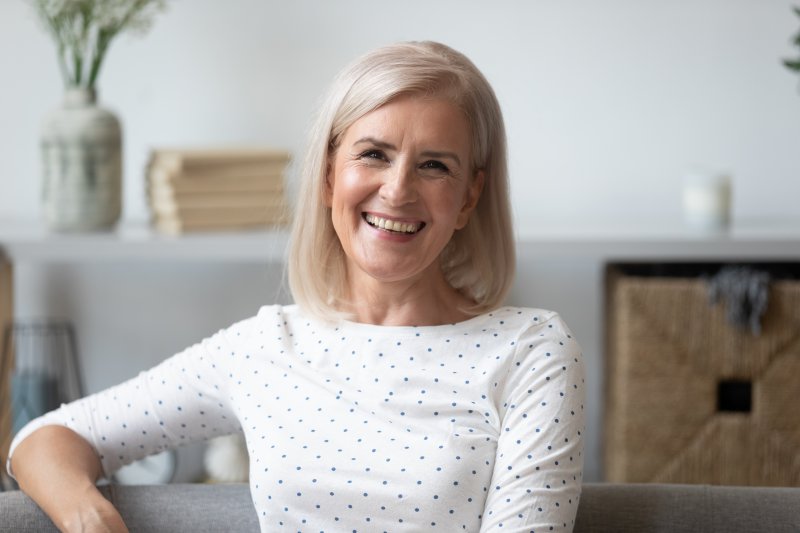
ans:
(745, 292)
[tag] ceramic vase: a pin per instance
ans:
(82, 165)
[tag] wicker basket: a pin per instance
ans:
(689, 399)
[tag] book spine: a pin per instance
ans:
(267, 182)
(187, 161)
(210, 211)
(168, 195)
(177, 226)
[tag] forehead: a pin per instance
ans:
(417, 118)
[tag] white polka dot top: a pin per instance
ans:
(474, 426)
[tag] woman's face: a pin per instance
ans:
(399, 185)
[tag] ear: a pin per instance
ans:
(472, 195)
(328, 200)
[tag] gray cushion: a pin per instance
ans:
(616, 508)
(624, 508)
(201, 508)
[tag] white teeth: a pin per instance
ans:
(392, 225)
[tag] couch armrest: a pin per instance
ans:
(157, 508)
(604, 508)
(656, 508)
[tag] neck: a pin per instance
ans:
(421, 302)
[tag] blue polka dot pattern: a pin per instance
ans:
(474, 426)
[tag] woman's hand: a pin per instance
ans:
(95, 514)
(58, 469)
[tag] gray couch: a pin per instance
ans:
(603, 508)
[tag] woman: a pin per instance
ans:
(396, 395)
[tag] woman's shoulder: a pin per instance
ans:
(509, 317)
(268, 316)
(278, 312)
(526, 324)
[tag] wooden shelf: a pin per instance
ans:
(30, 241)
(763, 241)
(756, 240)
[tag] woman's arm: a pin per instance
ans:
(58, 469)
(537, 475)
(58, 457)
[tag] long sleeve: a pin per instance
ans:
(537, 472)
(181, 400)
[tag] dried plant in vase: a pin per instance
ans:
(794, 64)
(84, 29)
(82, 143)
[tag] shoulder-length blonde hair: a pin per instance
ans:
(480, 259)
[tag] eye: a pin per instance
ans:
(373, 154)
(435, 165)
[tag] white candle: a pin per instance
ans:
(707, 201)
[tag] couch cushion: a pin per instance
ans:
(604, 508)
(655, 508)
(158, 508)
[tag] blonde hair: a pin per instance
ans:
(480, 258)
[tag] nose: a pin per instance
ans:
(399, 186)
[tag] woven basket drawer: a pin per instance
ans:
(671, 361)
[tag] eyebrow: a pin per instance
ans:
(388, 146)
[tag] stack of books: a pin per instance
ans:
(220, 189)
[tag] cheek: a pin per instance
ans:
(449, 201)
(351, 187)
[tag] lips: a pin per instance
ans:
(394, 226)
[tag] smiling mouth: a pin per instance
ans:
(393, 226)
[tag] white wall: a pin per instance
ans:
(607, 103)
